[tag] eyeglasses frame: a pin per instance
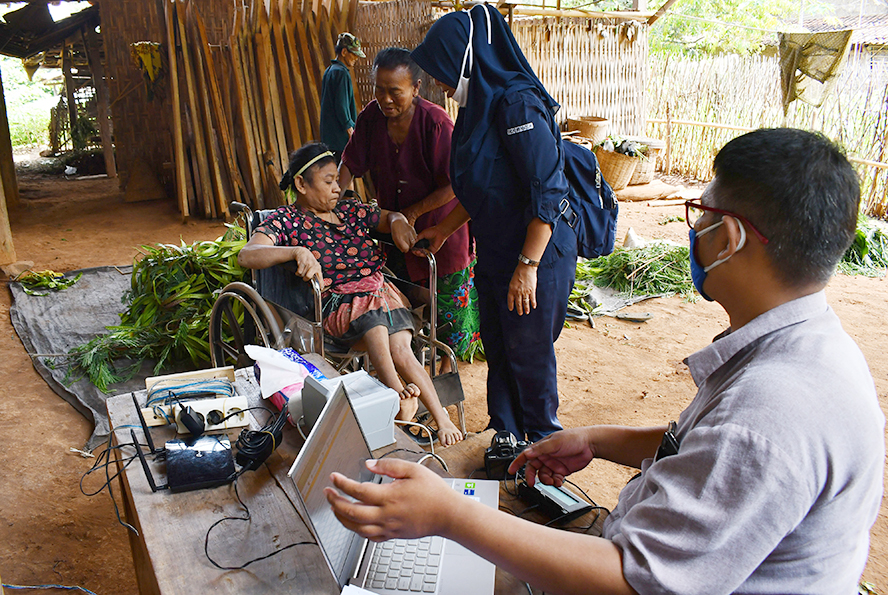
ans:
(698, 204)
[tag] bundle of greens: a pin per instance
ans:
(868, 255)
(657, 268)
(32, 280)
(169, 305)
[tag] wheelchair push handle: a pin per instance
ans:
(422, 244)
(237, 207)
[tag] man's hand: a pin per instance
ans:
(403, 233)
(556, 456)
(522, 289)
(307, 266)
(416, 504)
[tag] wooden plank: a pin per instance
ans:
(309, 75)
(246, 140)
(7, 249)
(294, 67)
(269, 87)
(326, 35)
(221, 121)
(178, 141)
(221, 192)
(280, 60)
(199, 147)
(352, 14)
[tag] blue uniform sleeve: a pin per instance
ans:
(526, 130)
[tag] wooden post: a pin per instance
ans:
(8, 188)
(668, 140)
(69, 92)
(97, 69)
(7, 165)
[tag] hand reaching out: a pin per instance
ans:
(555, 457)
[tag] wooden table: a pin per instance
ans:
(169, 550)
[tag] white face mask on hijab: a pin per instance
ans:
(461, 94)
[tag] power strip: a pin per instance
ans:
(209, 410)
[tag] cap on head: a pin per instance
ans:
(347, 41)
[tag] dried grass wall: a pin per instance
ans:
(592, 67)
(399, 23)
(745, 92)
(142, 127)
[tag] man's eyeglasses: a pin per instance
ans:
(694, 209)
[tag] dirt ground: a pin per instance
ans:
(616, 372)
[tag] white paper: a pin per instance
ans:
(277, 372)
(354, 590)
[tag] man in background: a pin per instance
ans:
(338, 110)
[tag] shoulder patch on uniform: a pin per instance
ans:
(522, 128)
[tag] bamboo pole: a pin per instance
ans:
(303, 111)
(91, 42)
(69, 92)
(178, 142)
(220, 195)
(244, 115)
(199, 153)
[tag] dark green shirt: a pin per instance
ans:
(338, 111)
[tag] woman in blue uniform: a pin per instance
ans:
(507, 170)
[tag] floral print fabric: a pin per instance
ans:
(345, 252)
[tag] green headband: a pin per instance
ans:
(312, 162)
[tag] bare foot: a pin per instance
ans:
(409, 402)
(448, 434)
(410, 391)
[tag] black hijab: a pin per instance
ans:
(498, 67)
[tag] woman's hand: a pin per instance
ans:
(403, 233)
(522, 289)
(307, 266)
(436, 237)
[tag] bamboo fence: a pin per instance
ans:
(395, 23)
(591, 66)
(242, 106)
(698, 105)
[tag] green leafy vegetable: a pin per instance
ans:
(169, 304)
(51, 280)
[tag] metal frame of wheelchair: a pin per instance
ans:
(247, 315)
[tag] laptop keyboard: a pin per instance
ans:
(406, 565)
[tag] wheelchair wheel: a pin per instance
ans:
(240, 317)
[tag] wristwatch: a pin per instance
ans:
(523, 259)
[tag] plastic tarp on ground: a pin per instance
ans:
(50, 325)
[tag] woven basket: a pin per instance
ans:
(616, 168)
(644, 171)
(591, 127)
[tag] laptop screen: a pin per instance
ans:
(336, 443)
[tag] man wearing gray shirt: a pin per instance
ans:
(772, 477)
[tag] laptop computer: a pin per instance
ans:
(431, 565)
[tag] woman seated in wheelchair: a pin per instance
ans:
(330, 239)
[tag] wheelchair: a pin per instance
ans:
(280, 310)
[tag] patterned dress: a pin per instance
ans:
(356, 297)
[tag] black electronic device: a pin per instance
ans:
(556, 503)
(202, 462)
(503, 449)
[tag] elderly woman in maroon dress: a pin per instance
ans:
(403, 141)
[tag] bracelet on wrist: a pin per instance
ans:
(524, 260)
